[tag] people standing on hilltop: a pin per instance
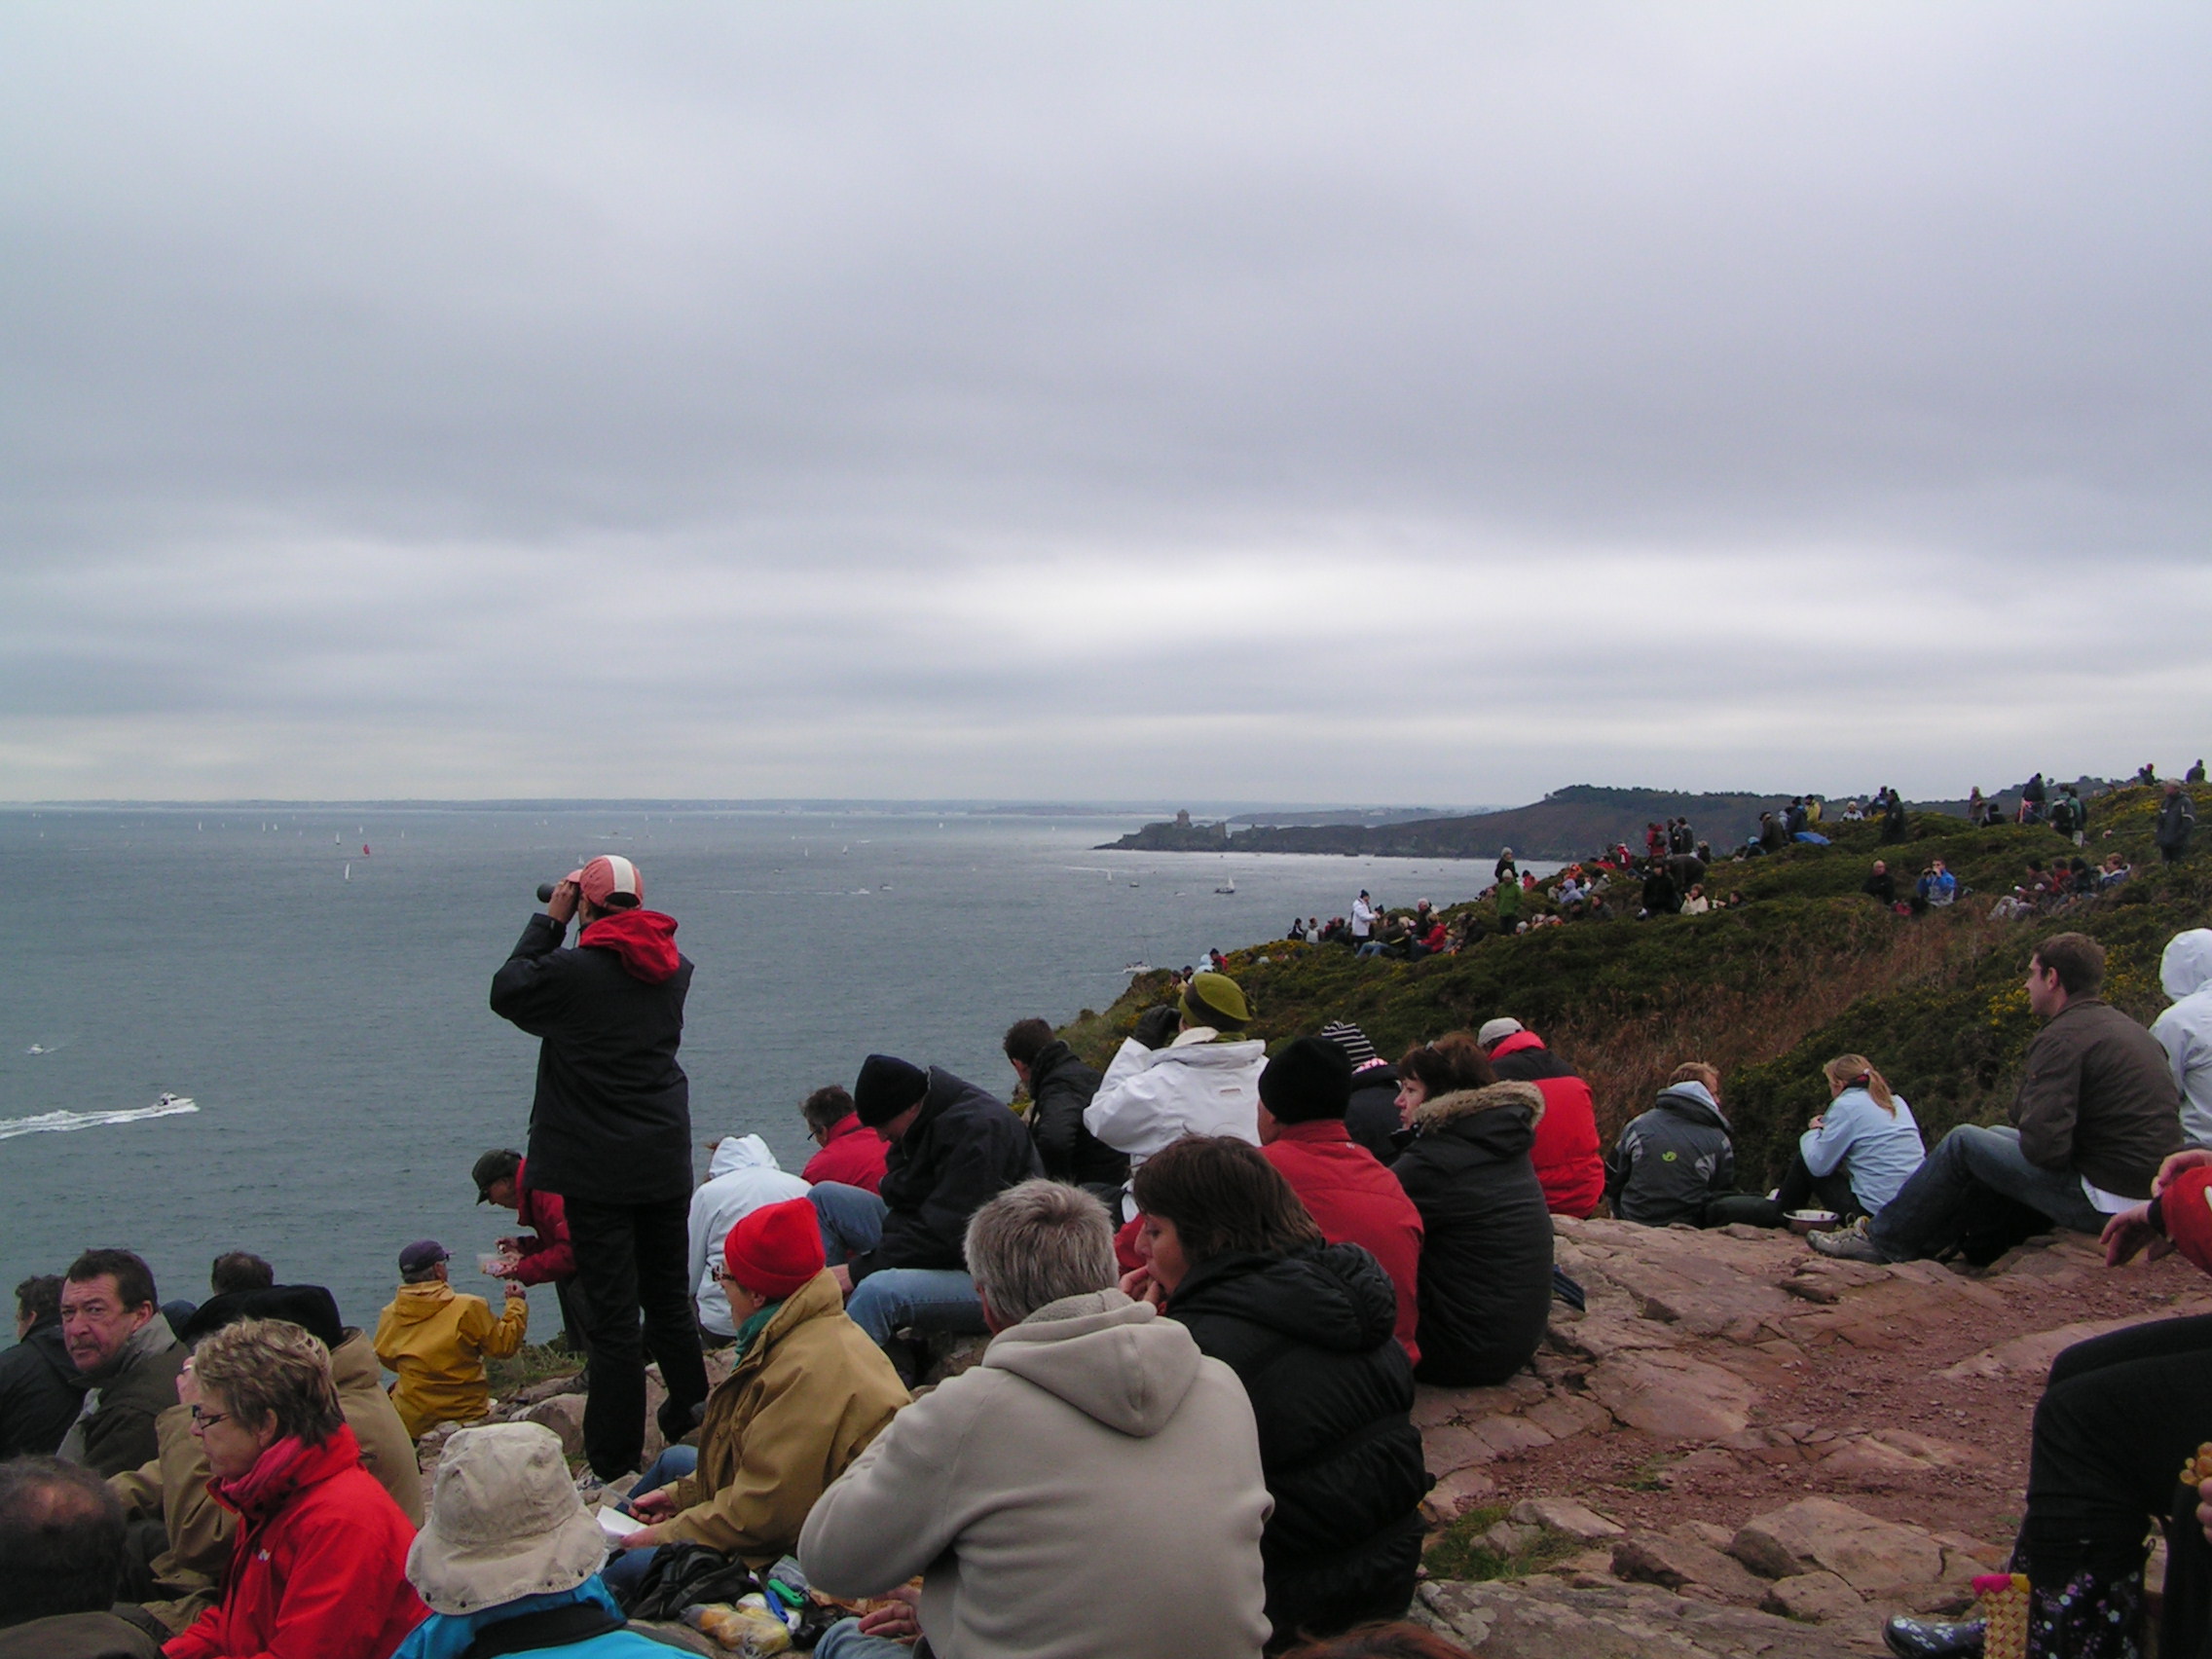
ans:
(1894, 826)
(1505, 869)
(1487, 1249)
(435, 1339)
(2095, 1114)
(611, 1133)
(2177, 817)
(1855, 1156)
(1305, 1092)
(2033, 796)
(1569, 1165)
(851, 1152)
(1060, 1087)
(2185, 1029)
(2195, 774)
(954, 1147)
(1676, 1157)
(1508, 901)
(1362, 919)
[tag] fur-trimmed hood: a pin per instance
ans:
(1446, 1109)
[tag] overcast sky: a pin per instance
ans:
(1353, 402)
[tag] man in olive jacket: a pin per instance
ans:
(2096, 1113)
(128, 1356)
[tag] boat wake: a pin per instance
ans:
(62, 1123)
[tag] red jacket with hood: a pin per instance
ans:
(552, 1256)
(1569, 1165)
(318, 1567)
(1356, 1200)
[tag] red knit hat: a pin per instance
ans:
(775, 1249)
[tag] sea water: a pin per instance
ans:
(324, 1008)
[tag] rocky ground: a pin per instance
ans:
(1739, 1432)
(1740, 1447)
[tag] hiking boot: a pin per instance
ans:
(1933, 1639)
(1851, 1244)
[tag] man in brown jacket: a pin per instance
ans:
(2095, 1114)
(127, 1355)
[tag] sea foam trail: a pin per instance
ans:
(60, 1123)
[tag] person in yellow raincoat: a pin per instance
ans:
(436, 1338)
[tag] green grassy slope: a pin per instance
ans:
(1803, 970)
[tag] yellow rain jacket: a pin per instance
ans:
(436, 1339)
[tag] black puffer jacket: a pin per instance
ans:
(1309, 1336)
(1060, 1087)
(965, 1149)
(1371, 1116)
(40, 1392)
(1486, 1255)
(611, 1121)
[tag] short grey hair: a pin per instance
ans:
(1036, 1242)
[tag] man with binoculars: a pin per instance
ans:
(610, 1132)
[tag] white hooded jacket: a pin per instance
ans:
(1089, 1490)
(741, 1177)
(1196, 1086)
(2185, 1030)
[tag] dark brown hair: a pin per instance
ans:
(239, 1270)
(1026, 1039)
(39, 1296)
(2076, 959)
(827, 1107)
(133, 1279)
(1223, 1196)
(1453, 1061)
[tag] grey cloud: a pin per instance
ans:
(970, 399)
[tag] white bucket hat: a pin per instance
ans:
(506, 1523)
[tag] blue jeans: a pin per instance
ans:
(627, 1570)
(928, 1299)
(1931, 1209)
(1372, 947)
(843, 1641)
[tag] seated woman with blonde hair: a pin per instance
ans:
(320, 1562)
(1855, 1156)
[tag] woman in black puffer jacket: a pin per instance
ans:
(1233, 1254)
(1486, 1253)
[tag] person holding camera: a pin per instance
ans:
(611, 1133)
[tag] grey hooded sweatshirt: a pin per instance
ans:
(1090, 1489)
(1670, 1162)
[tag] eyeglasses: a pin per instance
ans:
(204, 1420)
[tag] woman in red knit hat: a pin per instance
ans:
(810, 1390)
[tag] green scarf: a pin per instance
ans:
(753, 1326)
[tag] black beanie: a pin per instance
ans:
(308, 1306)
(1308, 1080)
(886, 1087)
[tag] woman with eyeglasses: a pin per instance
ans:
(319, 1561)
(809, 1391)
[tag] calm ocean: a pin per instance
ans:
(326, 1008)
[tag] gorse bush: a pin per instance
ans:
(1805, 969)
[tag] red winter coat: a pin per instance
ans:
(552, 1256)
(1356, 1200)
(1569, 1165)
(2186, 1207)
(854, 1153)
(319, 1569)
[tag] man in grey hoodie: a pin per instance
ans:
(1675, 1159)
(1090, 1489)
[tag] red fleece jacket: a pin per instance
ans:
(1356, 1200)
(645, 941)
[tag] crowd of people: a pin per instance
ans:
(1208, 1279)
